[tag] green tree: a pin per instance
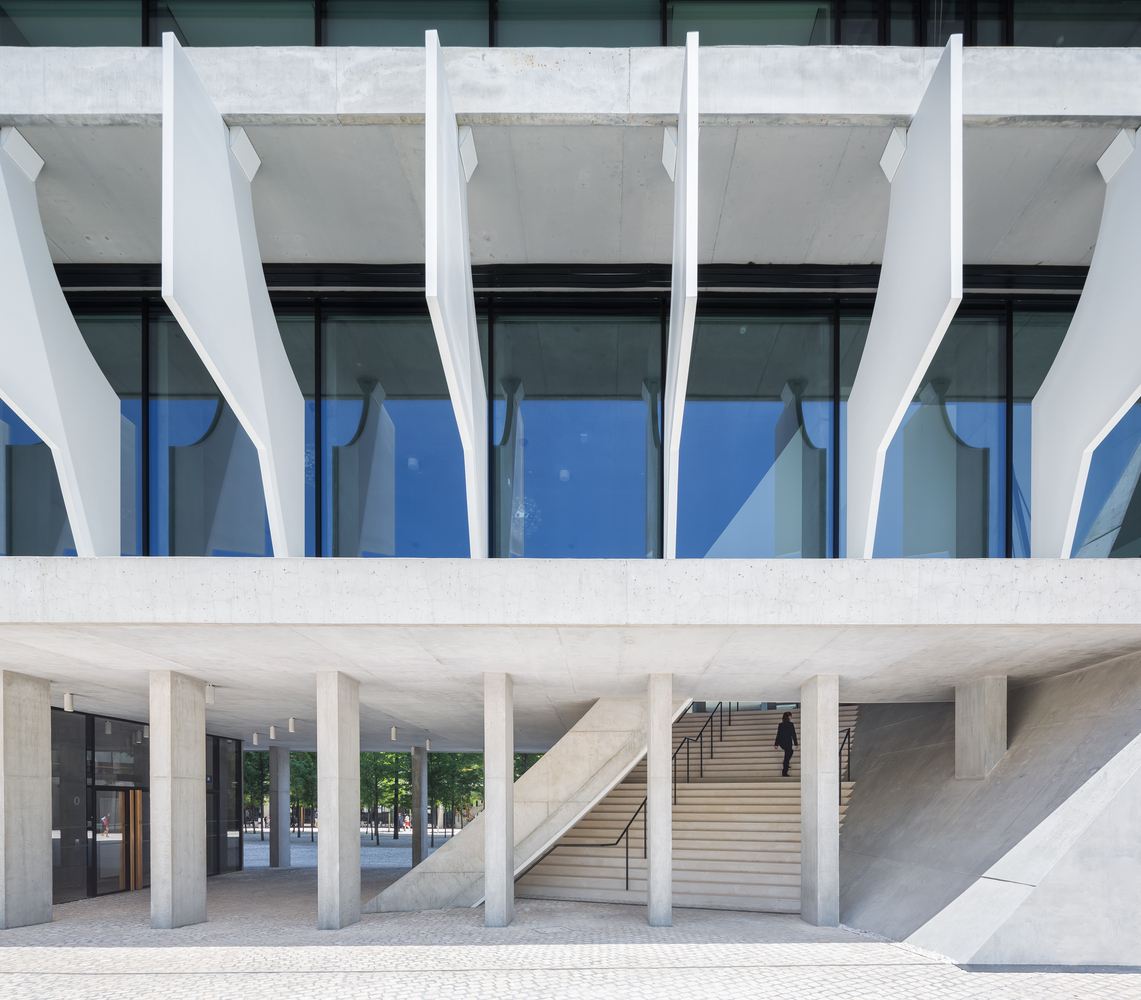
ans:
(303, 785)
(455, 781)
(255, 781)
(524, 762)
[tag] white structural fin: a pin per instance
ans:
(1096, 376)
(47, 374)
(213, 282)
(921, 286)
(448, 287)
(683, 286)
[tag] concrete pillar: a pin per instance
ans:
(980, 726)
(419, 803)
(820, 801)
(338, 801)
(279, 807)
(25, 801)
(498, 800)
(178, 799)
(659, 800)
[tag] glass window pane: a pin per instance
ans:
(69, 806)
(579, 22)
(33, 518)
(206, 490)
(1110, 520)
(768, 22)
(944, 481)
(990, 22)
(71, 22)
(944, 19)
(297, 334)
(860, 22)
(116, 342)
(396, 22)
(393, 469)
(904, 18)
(577, 426)
(755, 469)
(234, 22)
(122, 754)
(1077, 22)
(1038, 333)
(853, 336)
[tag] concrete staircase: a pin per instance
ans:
(736, 830)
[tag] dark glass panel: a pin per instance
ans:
(234, 22)
(1109, 523)
(577, 426)
(766, 22)
(755, 469)
(33, 517)
(297, 335)
(579, 22)
(860, 22)
(122, 753)
(71, 22)
(1077, 22)
(902, 26)
(990, 22)
(230, 802)
(944, 480)
(944, 19)
(69, 806)
(396, 22)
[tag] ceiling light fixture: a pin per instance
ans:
(292, 724)
(255, 739)
(68, 702)
(273, 732)
(209, 694)
(107, 728)
(394, 733)
(428, 746)
(146, 732)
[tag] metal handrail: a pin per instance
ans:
(845, 742)
(576, 843)
(719, 710)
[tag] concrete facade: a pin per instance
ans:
(980, 726)
(659, 800)
(820, 801)
(178, 805)
(279, 803)
(338, 798)
(499, 800)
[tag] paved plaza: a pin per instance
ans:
(260, 941)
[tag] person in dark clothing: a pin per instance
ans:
(786, 740)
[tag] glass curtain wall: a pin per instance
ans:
(71, 832)
(233, 22)
(1109, 523)
(223, 805)
(70, 22)
(398, 22)
(1057, 23)
(33, 518)
(576, 434)
(756, 463)
(120, 788)
(751, 22)
(578, 22)
(853, 334)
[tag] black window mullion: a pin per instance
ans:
(145, 433)
(1009, 428)
(665, 26)
(492, 23)
(318, 22)
(1008, 28)
(318, 450)
(146, 21)
(836, 430)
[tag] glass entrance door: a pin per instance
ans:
(122, 840)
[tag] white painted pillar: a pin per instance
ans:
(683, 283)
(447, 281)
(659, 800)
(1096, 376)
(419, 804)
(498, 800)
(921, 286)
(213, 282)
(820, 801)
(48, 375)
(980, 726)
(25, 801)
(338, 801)
(178, 799)
(279, 807)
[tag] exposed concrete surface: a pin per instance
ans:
(915, 839)
(980, 726)
(659, 800)
(820, 801)
(499, 801)
(339, 799)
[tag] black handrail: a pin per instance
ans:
(575, 843)
(845, 765)
(717, 710)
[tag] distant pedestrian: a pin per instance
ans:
(786, 740)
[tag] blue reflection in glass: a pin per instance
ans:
(131, 477)
(33, 519)
(1109, 524)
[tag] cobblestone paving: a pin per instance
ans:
(260, 942)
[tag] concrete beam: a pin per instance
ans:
(279, 807)
(980, 726)
(339, 801)
(213, 282)
(419, 798)
(659, 800)
(921, 286)
(25, 801)
(499, 799)
(820, 801)
(178, 799)
(48, 376)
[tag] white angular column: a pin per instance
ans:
(980, 726)
(279, 807)
(498, 800)
(1096, 376)
(48, 376)
(820, 801)
(213, 282)
(683, 286)
(921, 286)
(338, 801)
(25, 801)
(419, 804)
(659, 800)
(178, 799)
(447, 281)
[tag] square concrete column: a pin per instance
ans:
(659, 800)
(419, 803)
(279, 807)
(980, 726)
(498, 800)
(178, 799)
(820, 801)
(25, 801)
(338, 801)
